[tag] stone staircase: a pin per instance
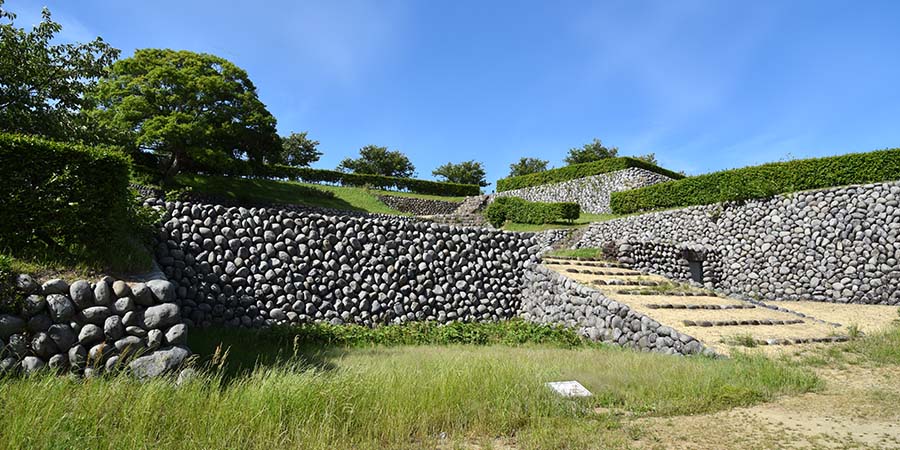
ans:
(721, 323)
(468, 213)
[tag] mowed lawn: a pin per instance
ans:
(272, 191)
(376, 396)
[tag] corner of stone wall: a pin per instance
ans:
(551, 298)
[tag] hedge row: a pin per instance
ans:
(576, 171)
(310, 175)
(61, 196)
(762, 181)
(517, 210)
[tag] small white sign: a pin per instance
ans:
(569, 389)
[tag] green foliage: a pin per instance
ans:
(512, 332)
(517, 210)
(375, 160)
(198, 110)
(649, 158)
(576, 171)
(8, 295)
(466, 172)
(43, 83)
(591, 152)
(762, 181)
(66, 199)
(527, 166)
(297, 150)
(310, 175)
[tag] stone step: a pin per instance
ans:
(666, 293)
(616, 273)
(798, 341)
(555, 260)
(578, 258)
(743, 322)
(695, 306)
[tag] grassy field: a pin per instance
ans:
(378, 396)
(583, 220)
(590, 253)
(338, 197)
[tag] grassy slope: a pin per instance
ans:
(349, 198)
(387, 397)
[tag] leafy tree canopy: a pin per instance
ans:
(297, 150)
(199, 110)
(43, 85)
(527, 166)
(375, 160)
(649, 158)
(466, 172)
(594, 151)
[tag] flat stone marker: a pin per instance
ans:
(569, 389)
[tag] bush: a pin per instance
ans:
(576, 171)
(762, 181)
(310, 175)
(517, 210)
(64, 199)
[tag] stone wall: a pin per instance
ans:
(84, 328)
(593, 192)
(836, 245)
(551, 298)
(419, 206)
(683, 262)
(259, 267)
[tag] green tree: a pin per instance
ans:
(375, 160)
(43, 85)
(466, 172)
(594, 151)
(527, 166)
(649, 158)
(197, 111)
(297, 150)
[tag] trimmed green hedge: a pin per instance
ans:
(576, 171)
(517, 210)
(60, 196)
(310, 175)
(762, 181)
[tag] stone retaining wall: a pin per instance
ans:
(419, 206)
(551, 298)
(836, 245)
(591, 193)
(259, 267)
(84, 328)
(682, 262)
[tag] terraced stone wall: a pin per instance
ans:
(551, 298)
(591, 193)
(834, 245)
(419, 206)
(85, 328)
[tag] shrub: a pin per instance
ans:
(762, 181)
(576, 171)
(310, 175)
(64, 199)
(517, 210)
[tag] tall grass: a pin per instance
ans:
(400, 397)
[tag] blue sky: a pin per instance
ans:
(706, 85)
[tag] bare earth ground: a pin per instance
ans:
(858, 408)
(868, 318)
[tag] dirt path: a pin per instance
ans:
(858, 408)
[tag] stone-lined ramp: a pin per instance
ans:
(721, 323)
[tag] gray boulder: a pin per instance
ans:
(163, 291)
(25, 284)
(113, 328)
(34, 304)
(8, 364)
(177, 335)
(81, 294)
(61, 308)
(96, 314)
(17, 345)
(58, 362)
(121, 289)
(40, 322)
(103, 294)
(159, 362)
(123, 305)
(78, 356)
(62, 335)
(142, 294)
(130, 343)
(154, 339)
(55, 286)
(43, 346)
(10, 325)
(90, 334)
(161, 316)
(32, 364)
